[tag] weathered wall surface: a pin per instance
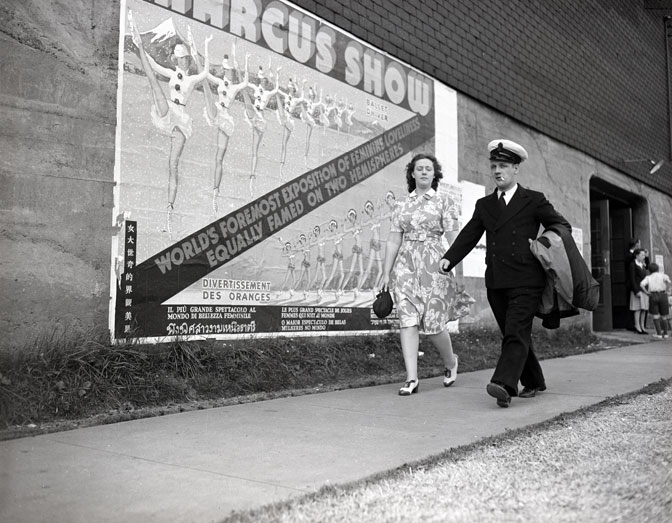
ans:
(590, 78)
(560, 172)
(58, 70)
(563, 174)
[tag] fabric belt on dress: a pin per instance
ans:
(421, 236)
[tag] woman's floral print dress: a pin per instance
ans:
(424, 295)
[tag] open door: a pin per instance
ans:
(601, 262)
(621, 233)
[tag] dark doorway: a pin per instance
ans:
(600, 262)
(613, 216)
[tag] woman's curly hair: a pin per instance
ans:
(438, 172)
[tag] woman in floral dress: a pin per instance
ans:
(425, 297)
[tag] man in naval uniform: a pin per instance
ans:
(515, 280)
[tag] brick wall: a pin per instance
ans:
(589, 74)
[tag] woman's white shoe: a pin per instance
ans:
(450, 375)
(410, 387)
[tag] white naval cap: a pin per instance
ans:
(506, 151)
(180, 50)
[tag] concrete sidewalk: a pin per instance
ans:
(199, 466)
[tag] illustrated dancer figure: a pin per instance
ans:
(261, 74)
(307, 104)
(347, 119)
(322, 111)
(338, 115)
(337, 237)
(168, 112)
(391, 202)
(304, 245)
(355, 229)
(286, 105)
(230, 69)
(216, 112)
(347, 115)
(331, 111)
(320, 266)
(289, 252)
(375, 247)
(262, 93)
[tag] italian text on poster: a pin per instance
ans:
(260, 154)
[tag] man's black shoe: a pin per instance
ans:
(530, 392)
(500, 393)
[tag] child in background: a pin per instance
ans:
(658, 285)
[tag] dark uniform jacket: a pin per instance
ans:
(570, 285)
(509, 261)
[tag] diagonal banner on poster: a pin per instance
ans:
(175, 268)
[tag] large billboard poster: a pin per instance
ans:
(260, 153)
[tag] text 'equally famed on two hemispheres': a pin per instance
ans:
(235, 233)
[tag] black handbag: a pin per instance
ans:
(382, 305)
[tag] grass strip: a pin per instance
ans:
(69, 379)
(606, 462)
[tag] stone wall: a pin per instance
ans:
(58, 83)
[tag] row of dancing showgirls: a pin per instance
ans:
(168, 111)
(336, 114)
(257, 93)
(170, 118)
(311, 111)
(337, 279)
(314, 111)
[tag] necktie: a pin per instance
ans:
(502, 201)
